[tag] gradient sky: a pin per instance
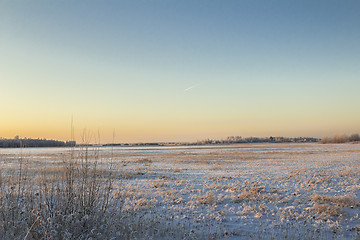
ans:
(169, 70)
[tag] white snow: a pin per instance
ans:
(263, 191)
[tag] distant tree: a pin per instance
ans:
(354, 137)
(340, 138)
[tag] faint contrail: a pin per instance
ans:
(189, 88)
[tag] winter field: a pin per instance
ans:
(258, 191)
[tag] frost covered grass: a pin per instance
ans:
(261, 191)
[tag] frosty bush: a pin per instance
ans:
(71, 203)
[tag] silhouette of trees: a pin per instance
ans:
(239, 139)
(29, 142)
(341, 138)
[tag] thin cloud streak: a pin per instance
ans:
(189, 88)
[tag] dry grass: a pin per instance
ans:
(144, 160)
(254, 193)
(340, 201)
(180, 194)
(56, 201)
(330, 206)
(326, 211)
(207, 198)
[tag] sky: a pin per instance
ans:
(166, 70)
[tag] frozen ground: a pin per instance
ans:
(262, 191)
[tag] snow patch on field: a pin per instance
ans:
(296, 191)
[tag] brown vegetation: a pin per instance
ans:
(327, 206)
(341, 138)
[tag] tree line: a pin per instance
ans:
(29, 142)
(239, 139)
(355, 137)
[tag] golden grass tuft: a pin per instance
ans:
(249, 194)
(331, 206)
(208, 198)
(340, 201)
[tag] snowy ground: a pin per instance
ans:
(262, 191)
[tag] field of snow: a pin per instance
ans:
(260, 191)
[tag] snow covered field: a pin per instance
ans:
(262, 191)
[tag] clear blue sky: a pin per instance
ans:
(179, 70)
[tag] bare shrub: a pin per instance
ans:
(72, 206)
